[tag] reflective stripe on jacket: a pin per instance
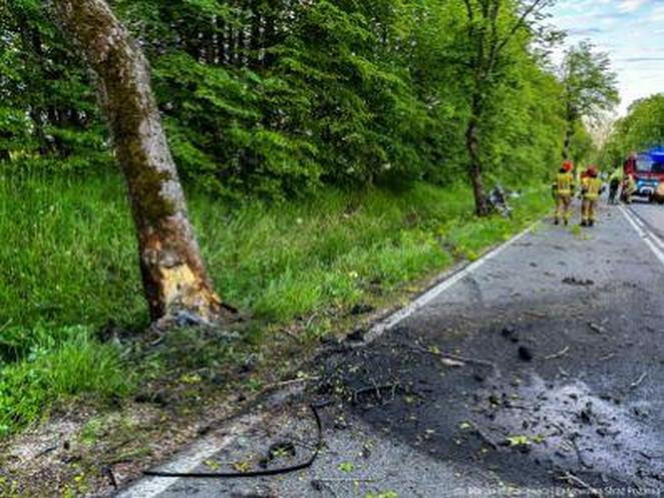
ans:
(591, 188)
(564, 183)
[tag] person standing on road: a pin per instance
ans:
(628, 189)
(563, 188)
(591, 187)
(614, 184)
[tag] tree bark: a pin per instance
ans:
(475, 161)
(569, 134)
(174, 277)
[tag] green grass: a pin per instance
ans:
(57, 370)
(69, 267)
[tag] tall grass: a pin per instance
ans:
(68, 260)
(74, 365)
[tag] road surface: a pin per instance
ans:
(537, 373)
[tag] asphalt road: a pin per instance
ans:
(539, 373)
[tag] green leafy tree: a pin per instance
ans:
(590, 87)
(494, 31)
(641, 128)
(274, 99)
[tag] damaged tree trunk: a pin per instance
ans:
(475, 160)
(174, 277)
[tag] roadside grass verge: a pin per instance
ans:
(68, 266)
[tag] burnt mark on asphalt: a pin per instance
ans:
(531, 399)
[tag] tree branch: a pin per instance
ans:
(531, 9)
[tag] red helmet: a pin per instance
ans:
(568, 166)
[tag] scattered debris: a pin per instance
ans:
(357, 335)
(579, 454)
(559, 354)
(525, 353)
(510, 333)
(485, 437)
(596, 328)
(300, 379)
(452, 363)
(579, 282)
(638, 381)
(572, 479)
(281, 450)
(453, 359)
(107, 471)
(377, 391)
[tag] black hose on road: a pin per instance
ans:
(255, 473)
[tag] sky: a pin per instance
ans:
(630, 31)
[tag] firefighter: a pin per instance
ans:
(628, 189)
(591, 187)
(563, 188)
(614, 184)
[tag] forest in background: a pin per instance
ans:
(640, 130)
(277, 98)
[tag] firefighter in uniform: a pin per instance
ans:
(591, 187)
(563, 188)
(628, 189)
(614, 184)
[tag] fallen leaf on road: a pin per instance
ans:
(518, 440)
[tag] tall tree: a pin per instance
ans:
(491, 28)
(174, 276)
(642, 128)
(590, 87)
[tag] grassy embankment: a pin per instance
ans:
(68, 268)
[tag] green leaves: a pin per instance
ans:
(273, 99)
(641, 129)
(590, 84)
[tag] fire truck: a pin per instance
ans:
(648, 172)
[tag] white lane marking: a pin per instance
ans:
(386, 324)
(631, 222)
(647, 235)
(149, 487)
(656, 238)
(638, 221)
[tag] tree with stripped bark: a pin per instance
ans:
(175, 280)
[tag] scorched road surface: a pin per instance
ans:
(541, 372)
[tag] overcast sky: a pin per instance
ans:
(631, 31)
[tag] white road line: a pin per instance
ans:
(656, 238)
(631, 222)
(651, 240)
(638, 221)
(384, 325)
(150, 487)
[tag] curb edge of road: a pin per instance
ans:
(442, 283)
(198, 451)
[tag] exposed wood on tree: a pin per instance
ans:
(174, 276)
